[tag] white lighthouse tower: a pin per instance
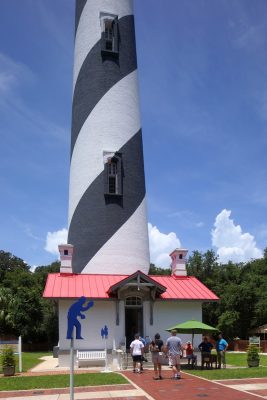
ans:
(107, 206)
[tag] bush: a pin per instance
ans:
(7, 357)
(253, 357)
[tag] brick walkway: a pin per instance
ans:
(143, 387)
(189, 387)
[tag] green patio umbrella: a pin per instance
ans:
(192, 326)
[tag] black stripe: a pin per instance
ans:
(96, 218)
(97, 75)
(78, 11)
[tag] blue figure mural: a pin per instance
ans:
(74, 312)
(104, 332)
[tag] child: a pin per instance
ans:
(190, 354)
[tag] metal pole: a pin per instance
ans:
(106, 359)
(20, 354)
(71, 370)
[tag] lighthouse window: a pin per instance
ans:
(109, 37)
(113, 176)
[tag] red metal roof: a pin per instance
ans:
(96, 286)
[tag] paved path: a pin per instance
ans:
(143, 387)
(256, 386)
(191, 387)
(121, 392)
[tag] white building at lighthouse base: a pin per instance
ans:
(126, 304)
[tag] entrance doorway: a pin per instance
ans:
(133, 318)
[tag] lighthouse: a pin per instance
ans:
(107, 198)
(106, 258)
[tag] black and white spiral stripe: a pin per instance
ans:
(108, 237)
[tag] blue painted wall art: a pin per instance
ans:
(74, 312)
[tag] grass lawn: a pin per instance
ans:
(29, 360)
(59, 381)
(240, 359)
(233, 373)
(237, 360)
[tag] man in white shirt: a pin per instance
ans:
(137, 350)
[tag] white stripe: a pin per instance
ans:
(89, 30)
(249, 386)
(113, 121)
(127, 250)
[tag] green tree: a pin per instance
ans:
(6, 303)
(26, 313)
(153, 270)
(8, 263)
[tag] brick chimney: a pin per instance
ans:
(66, 252)
(178, 257)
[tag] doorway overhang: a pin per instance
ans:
(140, 281)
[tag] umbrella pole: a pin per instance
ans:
(192, 339)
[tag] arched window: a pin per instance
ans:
(133, 301)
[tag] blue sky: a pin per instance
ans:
(203, 89)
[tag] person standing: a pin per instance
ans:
(156, 350)
(174, 346)
(137, 350)
(205, 346)
(221, 347)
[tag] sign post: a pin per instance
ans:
(74, 312)
(71, 370)
(104, 335)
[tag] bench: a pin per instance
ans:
(92, 355)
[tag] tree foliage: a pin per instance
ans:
(242, 289)
(23, 311)
(153, 270)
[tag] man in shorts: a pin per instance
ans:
(174, 346)
(137, 351)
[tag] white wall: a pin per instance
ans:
(170, 313)
(101, 314)
(166, 314)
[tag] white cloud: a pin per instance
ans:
(161, 245)
(232, 244)
(53, 239)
